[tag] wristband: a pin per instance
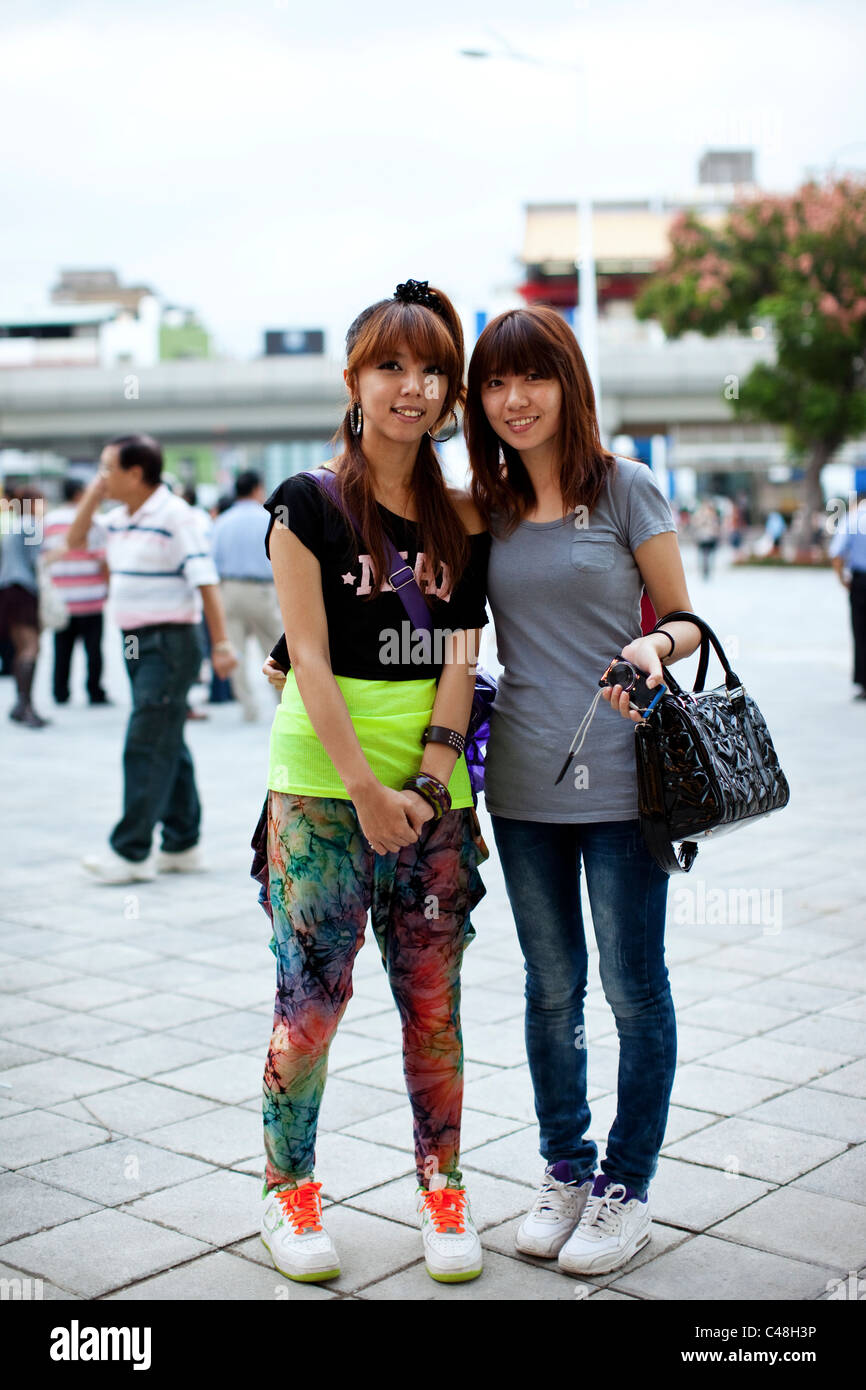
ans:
(225, 646)
(663, 632)
(434, 792)
(437, 733)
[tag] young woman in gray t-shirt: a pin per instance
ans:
(577, 534)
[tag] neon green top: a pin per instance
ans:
(389, 718)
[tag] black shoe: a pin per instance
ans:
(28, 716)
(101, 699)
(61, 699)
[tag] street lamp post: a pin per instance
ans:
(584, 258)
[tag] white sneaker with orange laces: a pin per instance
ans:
(452, 1249)
(293, 1233)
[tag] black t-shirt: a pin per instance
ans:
(372, 638)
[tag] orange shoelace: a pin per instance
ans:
(303, 1206)
(446, 1207)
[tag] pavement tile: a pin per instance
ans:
(849, 1081)
(147, 1054)
(842, 972)
(237, 1031)
(808, 1226)
(346, 1103)
(222, 1276)
(134, 1107)
(36, 1289)
(27, 1206)
(13, 1054)
(16, 1011)
(694, 1042)
(237, 957)
(252, 990)
(351, 1050)
(102, 958)
(74, 1035)
(756, 1150)
(231, 1079)
(61, 1078)
(503, 1280)
(843, 1177)
(501, 1044)
(346, 1166)
(224, 1136)
(507, 1093)
(30, 974)
(85, 992)
(705, 982)
(854, 1008)
(158, 1010)
(387, 1072)
(786, 993)
(744, 1019)
(174, 976)
(395, 1128)
(711, 1088)
(843, 1035)
(116, 1172)
(765, 1056)
(37, 942)
(220, 1208)
(754, 960)
(684, 1194)
(36, 1134)
(816, 1112)
(515, 1157)
(100, 1252)
(709, 1268)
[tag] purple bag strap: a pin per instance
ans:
(406, 585)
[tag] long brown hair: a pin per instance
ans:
(521, 340)
(435, 337)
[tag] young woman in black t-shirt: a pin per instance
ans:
(367, 811)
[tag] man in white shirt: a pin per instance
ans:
(161, 578)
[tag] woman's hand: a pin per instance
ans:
(388, 818)
(643, 654)
(275, 674)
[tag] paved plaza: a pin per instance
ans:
(135, 1022)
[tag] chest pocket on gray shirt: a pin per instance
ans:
(595, 553)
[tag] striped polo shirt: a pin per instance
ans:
(79, 578)
(158, 557)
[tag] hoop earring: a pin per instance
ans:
(356, 419)
(443, 438)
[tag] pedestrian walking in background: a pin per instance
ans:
(247, 581)
(19, 598)
(161, 578)
(576, 534)
(370, 805)
(707, 530)
(81, 579)
(848, 556)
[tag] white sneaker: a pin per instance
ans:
(293, 1234)
(452, 1249)
(113, 868)
(184, 861)
(610, 1231)
(554, 1215)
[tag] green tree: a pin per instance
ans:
(798, 262)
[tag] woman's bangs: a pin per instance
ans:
(516, 344)
(419, 329)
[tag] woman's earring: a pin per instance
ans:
(356, 419)
(443, 438)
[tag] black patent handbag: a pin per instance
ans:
(705, 761)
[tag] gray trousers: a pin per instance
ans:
(251, 610)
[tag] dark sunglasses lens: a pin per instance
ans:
(621, 673)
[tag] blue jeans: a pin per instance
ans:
(627, 894)
(158, 775)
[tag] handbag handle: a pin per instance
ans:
(708, 637)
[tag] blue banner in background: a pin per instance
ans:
(480, 321)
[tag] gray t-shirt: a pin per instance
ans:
(565, 598)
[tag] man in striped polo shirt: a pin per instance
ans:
(161, 578)
(81, 579)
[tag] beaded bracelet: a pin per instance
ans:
(437, 733)
(434, 792)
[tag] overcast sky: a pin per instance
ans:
(281, 163)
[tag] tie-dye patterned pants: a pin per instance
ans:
(324, 879)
